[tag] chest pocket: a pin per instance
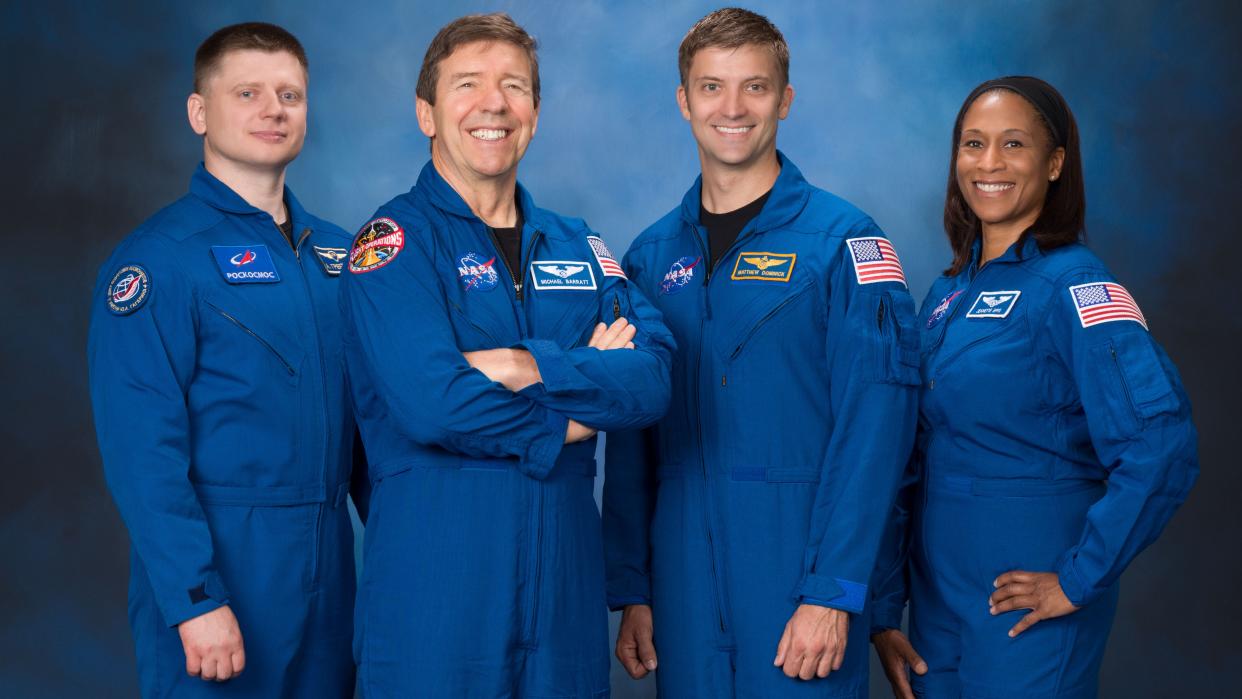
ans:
(248, 339)
(763, 316)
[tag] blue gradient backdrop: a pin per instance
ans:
(95, 140)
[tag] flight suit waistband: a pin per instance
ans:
(271, 495)
(566, 466)
(1002, 487)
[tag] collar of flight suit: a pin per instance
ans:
(789, 196)
(1028, 250)
(218, 195)
(441, 195)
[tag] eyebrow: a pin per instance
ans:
(1021, 131)
(750, 78)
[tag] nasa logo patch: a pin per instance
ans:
(128, 290)
(942, 308)
(376, 245)
(993, 304)
(476, 272)
(562, 274)
(333, 259)
(764, 266)
(679, 275)
(245, 264)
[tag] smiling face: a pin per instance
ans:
(1005, 161)
(734, 99)
(484, 114)
(251, 112)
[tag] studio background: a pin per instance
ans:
(95, 140)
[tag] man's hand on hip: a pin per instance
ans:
(213, 645)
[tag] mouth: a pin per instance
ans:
(732, 130)
(269, 136)
(994, 187)
(489, 134)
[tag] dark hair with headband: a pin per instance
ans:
(1061, 220)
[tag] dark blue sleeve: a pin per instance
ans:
(399, 341)
(890, 584)
(1138, 417)
(873, 360)
(141, 364)
(613, 389)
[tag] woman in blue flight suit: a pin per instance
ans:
(1055, 439)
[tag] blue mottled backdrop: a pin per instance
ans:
(95, 139)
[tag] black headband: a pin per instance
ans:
(1040, 94)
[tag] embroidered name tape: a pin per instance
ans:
(764, 266)
(875, 260)
(562, 274)
(245, 264)
(1104, 302)
(993, 304)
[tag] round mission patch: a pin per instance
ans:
(377, 244)
(128, 290)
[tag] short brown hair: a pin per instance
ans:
(247, 36)
(496, 26)
(1062, 218)
(731, 28)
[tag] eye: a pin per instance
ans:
(290, 96)
(1012, 143)
(246, 94)
(972, 143)
(711, 87)
(754, 87)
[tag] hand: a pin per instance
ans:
(898, 658)
(634, 647)
(1039, 592)
(213, 645)
(578, 432)
(813, 644)
(513, 369)
(619, 335)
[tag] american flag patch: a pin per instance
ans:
(875, 260)
(1103, 302)
(604, 257)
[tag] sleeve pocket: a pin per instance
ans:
(899, 339)
(1132, 362)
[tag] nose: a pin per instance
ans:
(991, 159)
(493, 100)
(732, 107)
(272, 106)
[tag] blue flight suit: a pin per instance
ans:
(483, 566)
(768, 482)
(1054, 435)
(221, 412)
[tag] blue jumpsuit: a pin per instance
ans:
(220, 406)
(768, 482)
(1054, 435)
(483, 573)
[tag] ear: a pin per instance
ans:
(534, 125)
(683, 101)
(786, 101)
(196, 112)
(1055, 162)
(426, 124)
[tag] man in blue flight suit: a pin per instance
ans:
(486, 340)
(220, 401)
(747, 521)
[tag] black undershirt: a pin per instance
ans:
(286, 229)
(510, 241)
(723, 229)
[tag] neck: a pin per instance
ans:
(730, 187)
(997, 238)
(489, 198)
(264, 189)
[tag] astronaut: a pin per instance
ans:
(487, 340)
(742, 529)
(220, 401)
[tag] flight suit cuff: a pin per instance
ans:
(1072, 583)
(616, 604)
(885, 617)
(543, 451)
(837, 593)
(196, 600)
(555, 369)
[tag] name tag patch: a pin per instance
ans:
(993, 304)
(562, 274)
(764, 266)
(333, 259)
(245, 264)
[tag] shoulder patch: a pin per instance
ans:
(764, 266)
(245, 264)
(875, 260)
(128, 290)
(604, 257)
(376, 245)
(1104, 302)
